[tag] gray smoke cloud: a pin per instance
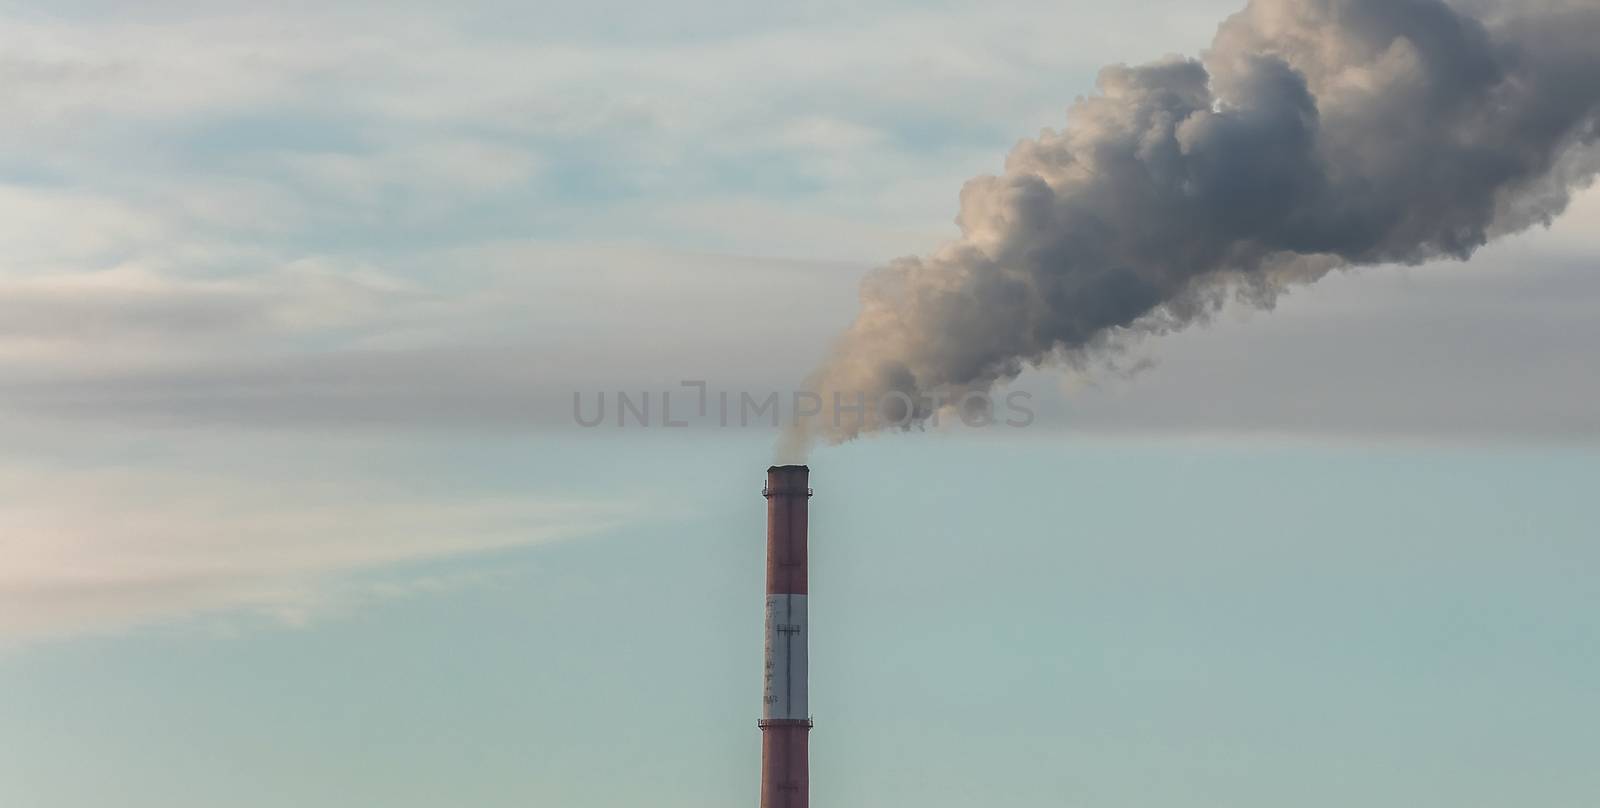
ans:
(1312, 135)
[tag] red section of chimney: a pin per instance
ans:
(786, 494)
(785, 769)
(785, 723)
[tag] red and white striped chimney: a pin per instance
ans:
(785, 718)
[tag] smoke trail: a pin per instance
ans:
(1314, 134)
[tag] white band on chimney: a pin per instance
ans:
(785, 691)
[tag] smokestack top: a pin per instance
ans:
(787, 481)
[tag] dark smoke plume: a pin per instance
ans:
(1313, 135)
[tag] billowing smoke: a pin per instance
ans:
(1312, 135)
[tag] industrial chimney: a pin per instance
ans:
(785, 721)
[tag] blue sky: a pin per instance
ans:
(293, 511)
(1103, 622)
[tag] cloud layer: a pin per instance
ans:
(293, 225)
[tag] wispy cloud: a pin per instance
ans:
(97, 550)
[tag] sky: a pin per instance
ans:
(296, 298)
